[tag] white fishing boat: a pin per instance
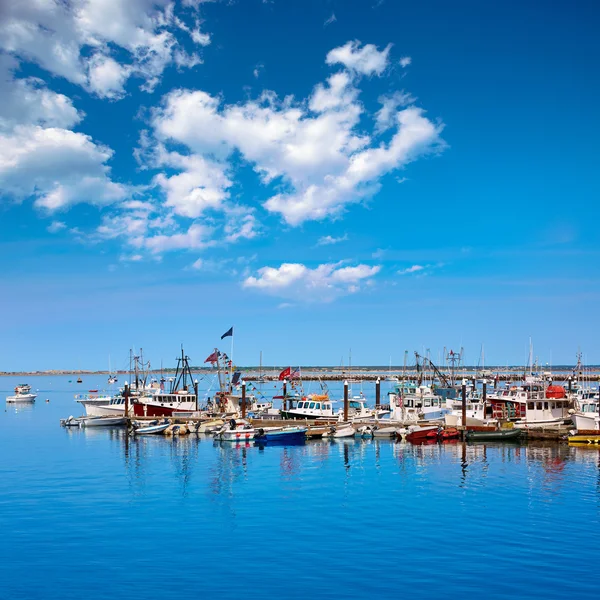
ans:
(235, 431)
(22, 394)
(412, 403)
(586, 415)
(313, 406)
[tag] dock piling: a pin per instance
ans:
(464, 406)
(345, 401)
(243, 399)
(377, 393)
(284, 395)
(126, 396)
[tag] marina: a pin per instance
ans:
(142, 484)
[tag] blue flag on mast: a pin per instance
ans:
(227, 333)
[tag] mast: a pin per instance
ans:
(260, 375)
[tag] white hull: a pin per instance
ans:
(540, 423)
(91, 404)
(236, 435)
(103, 410)
(583, 421)
(22, 398)
(103, 422)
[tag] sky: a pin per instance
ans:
(329, 177)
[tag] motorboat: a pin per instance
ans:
(152, 428)
(385, 432)
(22, 394)
(110, 421)
(419, 434)
(235, 431)
(313, 406)
(342, 431)
(280, 435)
(586, 417)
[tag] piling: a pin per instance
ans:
(243, 399)
(377, 393)
(464, 406)
(345, 401)
(126, 396)
(284, 395)
(196, 392)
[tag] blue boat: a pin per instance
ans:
(281, 435)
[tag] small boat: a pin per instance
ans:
(281, 435)
(499, 435)
(342, 431)
(117, 421)
(153, 428)
(209, 426)
(79, 380)
(22, 394)
(416, 434)
(384, 432)
(235, 431)
(450, 433)
(70, 421)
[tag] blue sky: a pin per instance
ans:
(322, 175)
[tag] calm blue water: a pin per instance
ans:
(93, 514)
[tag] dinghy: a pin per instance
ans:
(103, 421)
(153, 428)
(281, 435)
(500, 435)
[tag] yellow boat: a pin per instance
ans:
(584, 439)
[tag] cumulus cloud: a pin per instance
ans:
(313, 149)
(57, 166)
(405, 61)
(81, 40)
(321, 284)
(366, 60)
(56, 226)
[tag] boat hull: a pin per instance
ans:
(507, 435)
(117, 421)
(21, 398)
(295, 436)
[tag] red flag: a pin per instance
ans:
(285, 374)
(213, 358)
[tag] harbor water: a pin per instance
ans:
(93, 513)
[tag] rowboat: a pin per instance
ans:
(154, 429)
(103, 421)
(281, 435)
(416, 434)
(384, 432)
(345, 431)
(500, 435)
(235, 431)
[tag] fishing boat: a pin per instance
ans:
(152, 428)
(235, 431)
(182, 397)
(281, 435)
(499, 435)
(587, 414)
(22, 394)
(313, 406)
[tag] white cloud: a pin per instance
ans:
(28, 102)
(57, 166)
(329, 240)
(413, 269)
(405, 61)
(196, 237)
(313, 149)
(56, 226)
(330, 20)
(321, 284)
(107, 77)
(366, 60)
(81, 40)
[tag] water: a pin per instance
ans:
(91, 513)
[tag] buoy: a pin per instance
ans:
(47, 399)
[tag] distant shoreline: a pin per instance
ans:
(272, 373)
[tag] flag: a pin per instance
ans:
(285, 374)
(213, 358)
(236, 377)
(295, 373)
(228, 333)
